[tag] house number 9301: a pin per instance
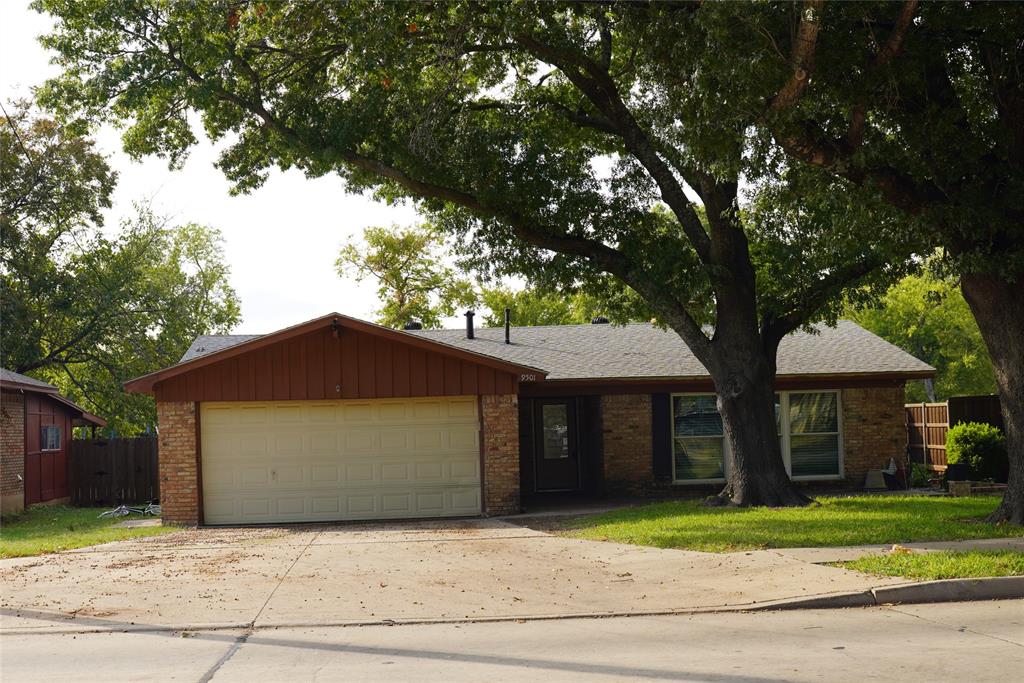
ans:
(529, 377)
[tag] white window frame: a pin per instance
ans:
(786, 427)
(784, 424)
(726, 451)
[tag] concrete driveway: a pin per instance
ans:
(382, 573)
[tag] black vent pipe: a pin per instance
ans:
(469, 324)
(508, 325)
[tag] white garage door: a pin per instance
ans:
(301, 461)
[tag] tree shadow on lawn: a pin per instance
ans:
(837, 521)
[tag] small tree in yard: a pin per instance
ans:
(541, 136)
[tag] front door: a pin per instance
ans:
(557, 462)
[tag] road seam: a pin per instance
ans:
(284, 576)
(894, 608)
(241, 640)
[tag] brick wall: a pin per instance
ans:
(179, 474)
(628, 450)
(500, 417)
(874, 430)
(12, 452)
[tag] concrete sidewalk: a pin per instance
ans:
(474, 570)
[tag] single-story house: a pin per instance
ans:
(35, 441)
(341, 419)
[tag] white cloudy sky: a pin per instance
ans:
(280, 241)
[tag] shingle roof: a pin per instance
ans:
(9, 377)
(208, 343)
(645, 351)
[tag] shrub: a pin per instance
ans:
(920, 476)
(981, 447)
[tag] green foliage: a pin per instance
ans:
(920, 476)
(408, 265)
(932, 566)
(537, 307)
(854, 520)
(84, 310)
(926, 316)
(980, 446)
(481, 113)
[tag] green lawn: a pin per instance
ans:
(857, 520)
(46, 529)
(942, 565)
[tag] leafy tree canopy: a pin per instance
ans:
(927, 316)
(413, 280)
(83, 310)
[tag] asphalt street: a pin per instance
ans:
(978, 641)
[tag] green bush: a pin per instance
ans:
(981, 447)
(920, 476)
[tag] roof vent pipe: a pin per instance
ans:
(508, 324)
(413, 325)
(469, 324)
(599, 320)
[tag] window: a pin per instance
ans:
(698, 443)
(555, 418)
(50, 438)
(814, 434)
(808, 426)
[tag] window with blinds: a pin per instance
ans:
(814, 434)
(698, 443)
(808, 426)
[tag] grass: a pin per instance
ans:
(45, 529)
(942, 565)
(855, 520)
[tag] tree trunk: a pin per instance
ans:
(744, 380)
(998, 306)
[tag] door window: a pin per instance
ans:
(555, 424)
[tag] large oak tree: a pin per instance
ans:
(921, 104)
(541, 136)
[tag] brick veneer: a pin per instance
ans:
(500, 418)
(12, 452)
(874, 430)
(626, 426)
(179, 473)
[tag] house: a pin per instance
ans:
(35, 441)
(338, 418)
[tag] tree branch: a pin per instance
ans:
(801, 58)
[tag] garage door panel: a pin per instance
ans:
(329, 460)
(359, 472)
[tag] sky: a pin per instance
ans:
(280, 242)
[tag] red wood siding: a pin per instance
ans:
(46, 472)
(320, 365)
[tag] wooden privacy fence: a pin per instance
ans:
(927, 424)
(112, 471)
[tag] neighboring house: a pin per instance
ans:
(337, 418)
(35, 441)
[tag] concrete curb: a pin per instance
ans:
(946, 590)
(949, 590)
